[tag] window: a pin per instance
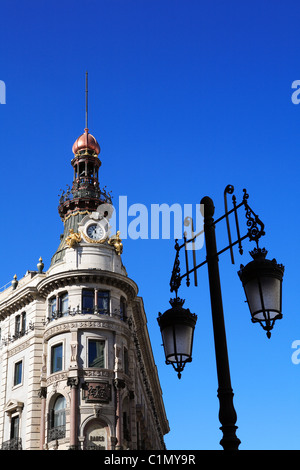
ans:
(58, 306)
(126, 432)
(96, 353)
(89, 296)
(52, 307)
(18, 373)
(123, 313)
(103, 302)
(17, 325)
(14, 427)
(88, 299)
(20, 325)
(126, 368)
(59, 412)
(56, 358)
(64, 303)
(57, 428)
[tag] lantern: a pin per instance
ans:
(177, 327)
(262, 282)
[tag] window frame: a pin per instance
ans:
(95, 296)
(126, 360)
(55, 304)
(54, 347)
(88, 358)
(103, 294)
(18, 373)
(15, 426)
(57, 420)
(63, 297)
(123, 308)
(84, 297)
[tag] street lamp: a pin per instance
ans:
(262, 280)
(177, 327)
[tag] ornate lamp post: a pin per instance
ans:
(262, 281)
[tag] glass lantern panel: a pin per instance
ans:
(168, 342)
(264, 297)
(271, 293)
(253, 296)
(184, 339)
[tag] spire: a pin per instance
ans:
(85, 194)
(86, 100)
(86, 141)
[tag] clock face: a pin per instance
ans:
(95, 232)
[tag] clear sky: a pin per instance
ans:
(185, 97)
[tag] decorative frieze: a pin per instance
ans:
(96, 373)
(96, 392)
(64, 326)
(57, 378)
(18, 348)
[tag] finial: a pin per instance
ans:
(86, 100)
(40, 265)
(14, 282)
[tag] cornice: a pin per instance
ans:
(81, 276)
(22, 296)
(18, 300)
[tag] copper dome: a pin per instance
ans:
(86, 141)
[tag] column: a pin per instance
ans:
(119, 384)
(43, 394)
(73, 382)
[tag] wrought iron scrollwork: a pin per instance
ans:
(228, 190)
(254, 224)
(255, 232)
(175, 281)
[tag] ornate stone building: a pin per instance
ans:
(76, 364)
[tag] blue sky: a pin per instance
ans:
(185, 97)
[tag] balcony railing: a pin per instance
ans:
(117, 313)
(59, 432)
(12, 444)
(18, 334)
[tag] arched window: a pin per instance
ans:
(57, 425)
(59, 412)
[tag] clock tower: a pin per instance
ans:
(78, 333)
(84, 197)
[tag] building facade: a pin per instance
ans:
(76, 365)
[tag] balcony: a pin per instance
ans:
(59, 432)
(118, 314)
(12, 444)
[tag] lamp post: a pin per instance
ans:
(262, 281)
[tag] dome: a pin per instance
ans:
(86, 141)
